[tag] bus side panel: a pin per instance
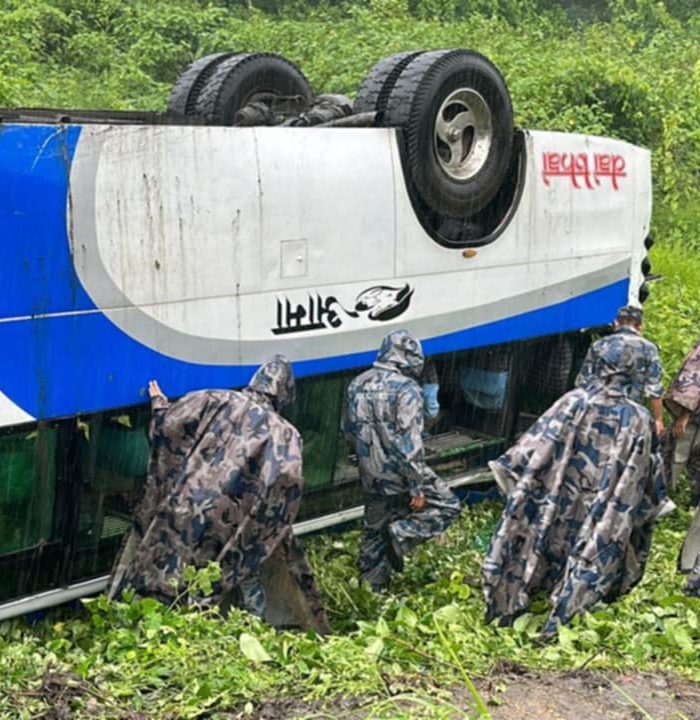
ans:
(544, 274)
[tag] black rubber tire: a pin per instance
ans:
(379, 81)
(183, 97)
(413, 104)
(237, 80)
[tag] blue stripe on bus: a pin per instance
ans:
(61, 366)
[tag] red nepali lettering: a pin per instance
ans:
(571, 165)
(582, 170)
(612, 166)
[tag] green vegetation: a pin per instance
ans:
(625, 68)
(426, 635)
(673, 308)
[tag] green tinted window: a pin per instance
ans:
(27, 489)
(113, 460)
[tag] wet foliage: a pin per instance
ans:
(138, 658)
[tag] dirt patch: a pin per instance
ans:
(590, 696)
(513, 693)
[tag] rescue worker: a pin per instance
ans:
(405, 502)
(224, 484)
(584, 486)
(645, 381)
(683, 402)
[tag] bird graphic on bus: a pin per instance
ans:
(384, 302)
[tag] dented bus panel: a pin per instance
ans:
(191, 254)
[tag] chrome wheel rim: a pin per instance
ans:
(463, 134)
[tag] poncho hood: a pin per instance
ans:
(402, 351)
(275, 379)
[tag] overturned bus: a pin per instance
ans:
(254, 218)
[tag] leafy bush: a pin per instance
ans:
(180, 662)
(673, 308)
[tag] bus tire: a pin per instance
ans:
(183, 97)
(378, 83)
(243, 78)
(456, 114)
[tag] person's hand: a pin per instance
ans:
(417, 502)
(659, 425)
(680, 425)
(154, 390)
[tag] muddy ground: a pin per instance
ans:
(593, 696)
(517, 694)
(512, 693)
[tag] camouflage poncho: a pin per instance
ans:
(684, 394)
(684, 391)
(384, 422)
(224, 484)
(583, 486)
(624, 360)
(384, 419)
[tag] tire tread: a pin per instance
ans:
(208, 103)
(379, 81)
(183, 96)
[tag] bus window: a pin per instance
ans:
(548, 368)
(114, 453)
(26, 489)
(29, 547)
(345, 471)
(317, 414)
(476, 390)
